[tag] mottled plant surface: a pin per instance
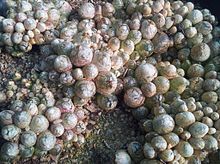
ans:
(113, 130)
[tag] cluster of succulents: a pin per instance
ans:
(86, 62)
(180, 131)
(32, 23)
(161, 57)
(174, 93)
(36, 122)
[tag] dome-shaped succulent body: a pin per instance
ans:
(10, 132)
(108, 102)
(134, 97)
(85, 89)
(22, 119)
(9, 151)
(81, 56)
(69, 120)
(6, 117)
(163, 124)
(145, 73)
(46, 141)
(28, 138)
(106, 83)
(122, 157)
(39, 123)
